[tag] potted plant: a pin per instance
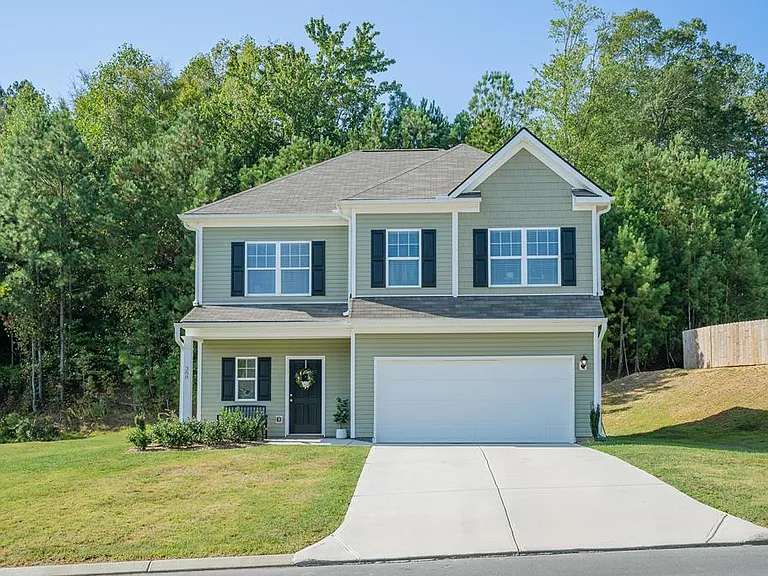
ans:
(341, 416)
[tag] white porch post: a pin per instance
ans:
(352, 405)
(185, 380)
(199, 410)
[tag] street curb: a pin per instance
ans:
(286, 560)
(307, 563)
(153, 566)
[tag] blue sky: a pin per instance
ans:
(441, 48)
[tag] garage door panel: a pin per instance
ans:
(505, 399)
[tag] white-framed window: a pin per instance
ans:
(403, 258)
(277, 268)
(524, 256)
(506, 257)
(542, 249)
(245, 379)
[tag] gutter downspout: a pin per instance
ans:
(599, 366)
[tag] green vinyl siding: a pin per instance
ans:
(368, 346)
(217, 258)
(367, 222)
(336, 352)
(524, 193)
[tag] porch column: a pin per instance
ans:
(185, 380)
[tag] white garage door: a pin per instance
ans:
(489, 399)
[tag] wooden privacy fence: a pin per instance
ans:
(735, 344)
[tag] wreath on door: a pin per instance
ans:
(305, 378)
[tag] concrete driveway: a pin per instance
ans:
(433, 501)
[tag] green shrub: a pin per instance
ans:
(140, 421)
(212, 433)
(19, 428)
(173, 433)
(238, 428)
(139, 438)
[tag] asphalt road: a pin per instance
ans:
(723, 561)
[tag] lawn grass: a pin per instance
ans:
(703, 431)
(93, 500)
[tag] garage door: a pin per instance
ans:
(489, 399)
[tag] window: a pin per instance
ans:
(294, 268)
(245, 383)
(524, 257)
(506, 257)
(403, 252)
(277, 268)
(542, 250)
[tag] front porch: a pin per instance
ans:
(262, 372)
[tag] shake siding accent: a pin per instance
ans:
(367, 346)
(336, 352)
(216, 261)
(367, 222)
(524, 193)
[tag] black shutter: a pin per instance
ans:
(318, 268)
(265, 379)
(378, 258)
(428, 258)
(238, 269)
(227, 379)
(480, 258)
(568, 256)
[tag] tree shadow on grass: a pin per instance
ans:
(740, 429)
(635, 386)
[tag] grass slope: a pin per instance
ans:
(91, 500)
(703, 431)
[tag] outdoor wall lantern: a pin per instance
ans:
(583, 362)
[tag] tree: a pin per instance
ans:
(496, 111)
(148, 256)
(47, 200)
(297, 155)
(562, 85)
(407, 125)
(633, 301)
(122, 103)
(705, 223)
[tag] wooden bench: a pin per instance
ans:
(250, 411)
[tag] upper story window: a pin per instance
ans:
(280, 268)
(403, 258)
(520, 257)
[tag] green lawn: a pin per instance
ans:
(92, 499)
(703, 431)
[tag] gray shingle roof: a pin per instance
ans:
(404, 307)
(267, 313)
(482, 307)
(363, 175)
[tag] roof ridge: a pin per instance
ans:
(401, 149)
(282, 178)
(396, 176)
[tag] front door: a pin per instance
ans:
(305, 389)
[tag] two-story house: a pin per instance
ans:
(450, 295)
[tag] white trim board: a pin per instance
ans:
(287, 416)
(289, 330)
(191, 221)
